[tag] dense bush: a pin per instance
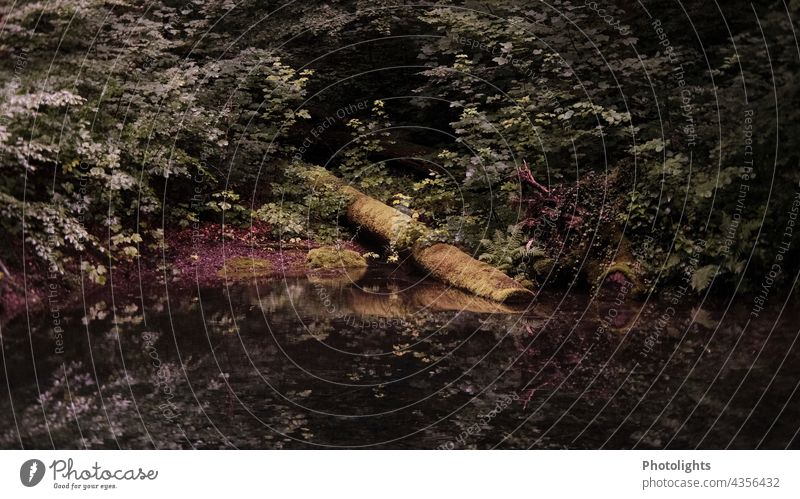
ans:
(549, 129)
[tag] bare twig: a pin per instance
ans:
(526, 176)
(7, 278)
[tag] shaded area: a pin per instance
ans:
(386, 360)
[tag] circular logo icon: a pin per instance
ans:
(31, 472)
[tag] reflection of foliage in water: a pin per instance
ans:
(419, 379)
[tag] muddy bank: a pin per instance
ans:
(191, 257)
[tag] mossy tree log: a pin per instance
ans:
(619, 275)
(443, 261)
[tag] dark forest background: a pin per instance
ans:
(544, 137)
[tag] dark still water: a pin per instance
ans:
(392, 362)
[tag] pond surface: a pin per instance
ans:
(382, 359)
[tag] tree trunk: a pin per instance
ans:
(618, 276)
(442, 261)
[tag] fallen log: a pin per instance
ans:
(442, 261)
(618, 277)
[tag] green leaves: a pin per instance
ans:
(152, 101)
(287, 220)
(509, 251)
(702, 277)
